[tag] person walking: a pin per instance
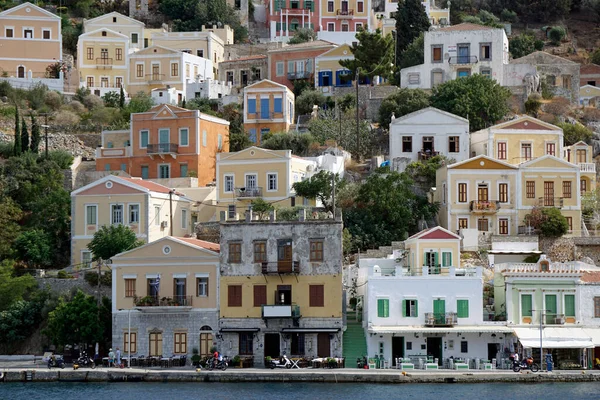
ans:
(111, 357)
(118, 358)
(549, 362)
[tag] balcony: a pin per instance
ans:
(587, 167)
(263, 116)
(484, 207)
(104, 63)
(298, 75)
(281, 311)
(557, 202)
(157, 301)
(462, 60)
(344, 14)
(554, 319)
(280, 267)
(155, 78)
(248, 192)
(426, 155)
(162, 148)
(440, 319)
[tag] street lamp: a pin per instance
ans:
(541, 333)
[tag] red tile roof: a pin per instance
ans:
(591, 276)
(433, 233)
(201, 243)
(153, 186)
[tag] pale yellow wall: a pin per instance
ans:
(193, 44)
(123, 25)
(95, 67)
(300, 294)
(513, 146)
(261, 170)
(146, 82)
(337, 5)
(417, 248)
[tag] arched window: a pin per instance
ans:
(21, 72)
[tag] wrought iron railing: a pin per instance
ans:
(462, 60)
(344, 12)
(159, 148)
(485, 206)
(440, 319)
(157, 301)
(280, 267)
(246, 192)
(548, 201)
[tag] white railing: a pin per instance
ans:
(587, 167)
(531, 267)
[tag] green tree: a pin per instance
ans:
(238, 141)
(557, 34)
(13, 288)
(10, 215)
(17, 322)
(423, 173)
(479, 99)
(414, 53)
(573, 133)
(140, 102)
(121, 98)
(204, 105)
(549, 221)
(35, 135)
(24, 135)
(111, 99)
(303, 35)
(112, 240)
(400, 103)
(17, 150)
(485, 18)
(373, 54)
(320, 187)
(300, 144)
(261, 208)
(521, 45)
(595, 56)
(308, 99)
(411, 21)
(33, 247)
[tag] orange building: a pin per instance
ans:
(166, 142)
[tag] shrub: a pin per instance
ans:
(594, 58)
(557, 34)
(62, 275)
(53, 100)
(5, 89)
(92, 278)
(547, 90)
(574, 133)
(538, 44)
(591, 114)
(63, 158)
(6, 149)
(558, 107)
(77, 107)
(93, 102)
(533, 104)
(509, 16)
(66, 118)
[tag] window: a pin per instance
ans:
(119, 54)
(183, 170)
(90, 53)
(116, 214)
(581, 155)
(330, 6)
(501, 150)
(530, 189)
(526, 305)
(184, 219)
(235, 252)
(583, 186)
(164, 171)
(271, 182)
(596, 307)
(139, 70)
(234, 295)
(316, 295)
(525, 151)
(155, 344)
(91, 213)
(464, 346)
(551, 80)
(134, 38)
(251, 181)
(410, 308)
(383, 308)
(278, 105)
(360, 6)
(129, 287)
(485, 53)
(503, 226)
(46, 34)
(156, 215)
(184, 137)
(453, 144)
(414, 78)
(9, 32)
(291, 67)
(134, 213)
(407, 144)
(251, 106)
(570, 223)
(569, 305)
(280, 68)
(144, 135)
(260, 252)
(567, 189)
(486, 72)
(462, 308)
(463, 223)
(566, 81)
(246, 348)
(28, 33)
(200, 53)
(503, 192)
(231, 211)
(482, 224)
(345, 27)
(119, 83)
(462, 192)
(126, 342)
(330, 27)
(145, 173)
(358, 26)
(174, 69)
(316, 250)
(436, 53)
(551, 148)
(180, 343)
(202, 287)
(260, 295)
(446, 259)
(228, 183)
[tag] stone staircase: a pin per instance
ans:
(354, 341)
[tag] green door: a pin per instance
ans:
(551, 308)
(439, 311)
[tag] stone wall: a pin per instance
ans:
(65, 286)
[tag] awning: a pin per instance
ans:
(452, 329)
(554, 338)
(240, 329)
(310, 330)
(514, 252)
(594, 333)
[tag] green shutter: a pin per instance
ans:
(312, 26)
(416, 308)
(569, 305)
(404, 308)
(526, 308)
(424, 259)
(380, 307)
(284, 25)
(435, 257)
(383, 308)
(551, 304)
(277, 26)
(462, 306)
(449, 259)
(386, 304)
(277, 5)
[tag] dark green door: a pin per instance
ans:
(439, 311)
(551, 309)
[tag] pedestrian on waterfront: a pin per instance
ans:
(215, 358)
(111, 357)
(118, 356)
(549, 361)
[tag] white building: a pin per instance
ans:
(427, 133)
(423, 306)
(165, 95)
(208, 89)
(589, 303)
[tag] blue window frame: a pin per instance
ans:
(325, 78)
(145, 172)
(252, 135)
(278, 105)
(251, 106)
(264, 108)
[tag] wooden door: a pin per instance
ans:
(323, 345)
(482, 193)
(284, 255)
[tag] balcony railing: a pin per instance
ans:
(550, 202)
(426, 155)
(104, 63)
(462, 60)
(344, 12)
(260, 115)
(248, 192)
(280, 267)
(440, 319)
(155, 78)
(484, 207)
(157, 301)
(587, 167)
(281, 311)
(298, 75)
(162, 148)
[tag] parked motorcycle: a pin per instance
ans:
(526, 364)
(56, 362)
(84, 361)
(283, 362)
(221, 364)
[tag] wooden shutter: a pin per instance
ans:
(383, 308)
(234, 296)
(317, 295)
(260, 295)
(416, 308)
(569, 305)
(526, 309)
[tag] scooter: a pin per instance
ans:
(84, 361)
(526, 364)
(221, 364)
(56, 362)
(283, 362)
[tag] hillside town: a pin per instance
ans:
(374, 184)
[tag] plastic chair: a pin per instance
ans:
(371, 363)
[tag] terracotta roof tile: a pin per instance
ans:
(201, 243)
(591, 276)
(153, 186)
(314, 43)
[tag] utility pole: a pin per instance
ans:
(171, 212)
(45, 126)
(357, 122)
(98, 287)
(333, 176)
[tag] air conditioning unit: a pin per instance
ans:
(164, 224)
(559, 320)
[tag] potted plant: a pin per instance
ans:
(331, 362)
(236, 362)
(268, 361)
(195, 357)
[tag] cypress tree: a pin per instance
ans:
(411, 20)
(35, 135)
(122, 98)
(17, 147)
(24, 136)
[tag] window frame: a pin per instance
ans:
(174, 68)
(187, 137)
(259, 248)
(503, 229)
(407, 308)
(481, 51)
(179, 342)
(502, 150)
(246, 343)
(130, 209)
(44, 30)
(456, 141)
(460, 302)
(202, 281)
(126, 342)
(89, 53)
(383, 307)
(462, 196)
(567, 191)
(225, 183)
(503, 192)
(130, 287)
(596, 306)
(114, 208)
(89, 206)
(233, 300)
(147, 132)
(530, 189)
(316, 253)
(407, 141)
(316, 295)
(235, 252)
(271, 175)
(433, 48)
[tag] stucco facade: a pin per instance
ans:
(119, 23)
(341, 20)
(329, 74)
(268, 108)
(243, 71)
(281, 289)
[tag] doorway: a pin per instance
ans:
(323, 345)
(283, 296)
(492, 351)
(272, 348)
(428, 144)
(397, 348)
(284, 255)
(434, 348)
(482, 193)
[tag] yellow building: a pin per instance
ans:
(255, 173)
(328, 71)
(131, 28)
(519, 165)
(436, 248)
(281, 289)
(165, 298)
(151, 210)
(102, 61)
(30, 41)
(269, 108)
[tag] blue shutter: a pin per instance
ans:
(278, 105)
(264, 108)
(252, 135)
(251, 106)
